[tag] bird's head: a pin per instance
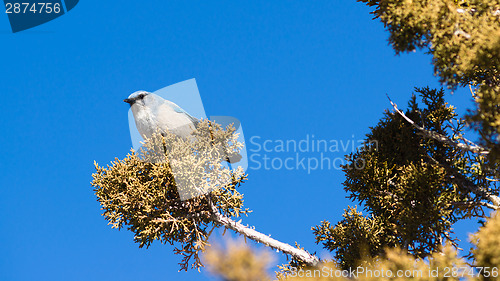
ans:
(136, 96)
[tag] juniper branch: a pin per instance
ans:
(458, 179)
(461, 180)
(256, 236)
(439, 137)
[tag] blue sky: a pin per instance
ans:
(285, 69)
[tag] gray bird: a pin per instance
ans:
(152, 112)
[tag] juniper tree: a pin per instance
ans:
(143, 193)
(424, 175)
(414, 186)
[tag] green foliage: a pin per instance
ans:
(413, 187)
(140, 192)
(354, 239)
(487, 242)
(462, 36)
(464, 40)
(486, 120)
(443, 264)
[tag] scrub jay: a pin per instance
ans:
(152, 112)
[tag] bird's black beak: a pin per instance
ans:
(129, 101)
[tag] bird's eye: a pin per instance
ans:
(141, 96)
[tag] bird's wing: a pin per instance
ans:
(169, 116)
(178, 109)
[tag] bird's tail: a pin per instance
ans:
(234, 158)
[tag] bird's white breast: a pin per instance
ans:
(144, 120)
(153, 113)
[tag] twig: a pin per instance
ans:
(461, 180)
(472, 91)
(436, 136)
(264, 239)
(469, 204)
